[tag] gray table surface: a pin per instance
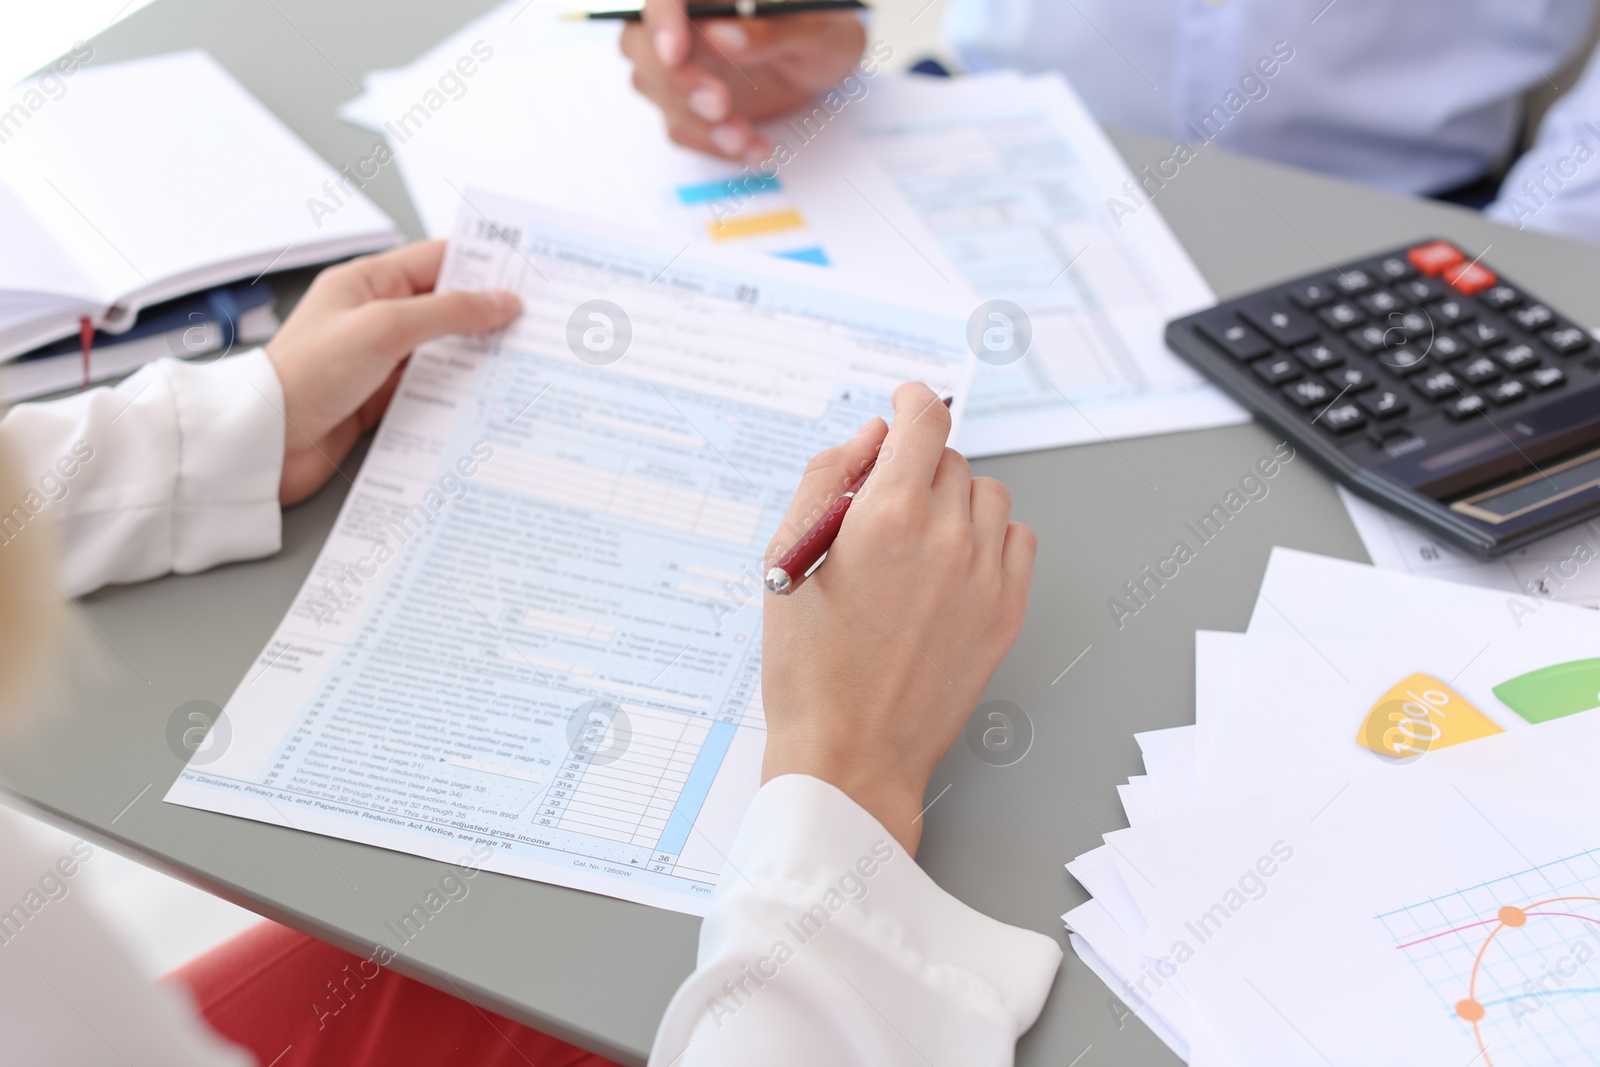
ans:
(598, 971)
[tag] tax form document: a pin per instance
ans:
(536, 624)
(1032, 205)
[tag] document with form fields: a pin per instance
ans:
(536, 623)
(999, 183)
(1014, 180)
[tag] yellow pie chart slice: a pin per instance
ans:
(1420, 714)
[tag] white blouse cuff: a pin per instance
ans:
(230, 460)
(807, 841)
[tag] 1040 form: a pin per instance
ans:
(536, 623)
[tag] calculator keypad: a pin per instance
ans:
(1388, 343)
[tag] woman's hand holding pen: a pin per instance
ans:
(871, 668)
(712, 79)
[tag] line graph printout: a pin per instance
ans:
(1515, 962)
(536, 624)
(1012, 178)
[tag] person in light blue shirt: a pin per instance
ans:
(1423, 96)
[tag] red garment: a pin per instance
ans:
(294, 1001)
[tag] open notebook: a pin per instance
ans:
(146, 180)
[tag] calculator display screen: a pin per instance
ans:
(1534, 490)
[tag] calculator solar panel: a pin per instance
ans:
(1425, 382)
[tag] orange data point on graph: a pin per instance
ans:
(1421, 713)
(1469, 1009)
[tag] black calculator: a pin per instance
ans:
(1425, 382)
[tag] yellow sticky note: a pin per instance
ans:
(1422, 713)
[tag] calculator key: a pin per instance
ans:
(1312, 295)
(1545, 378)
(1500, 297)
(1567, 340)
(1422, 290)
(1478, 370)
(1534, 317)
(1448, 346)
(1393, 268)
(1383, 404)
(1235, 338)
(1437, 385)
(1308, 393)
(1341, 315)
(1413, 324)
(1342, 418)
(1319, 356)
(1370, 339)
(1353, 281)
(1350, 379)
(1464, 407)
(1451, 312)
(1284, 325)
(1507, 392)
(1277, 369)
(1435, 258)
(1517, 356)
(1482, 334)
(1470, 278)
(1405, 360)
(1380, 302)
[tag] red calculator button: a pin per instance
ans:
(1436, 257)
(1470, 278)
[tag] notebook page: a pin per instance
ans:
(32, 263)
(163, 175)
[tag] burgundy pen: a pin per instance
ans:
(807, 552)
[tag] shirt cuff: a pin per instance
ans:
(807, 842)
(230, 460)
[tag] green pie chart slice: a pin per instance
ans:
(1553, 692)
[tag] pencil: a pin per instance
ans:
(805, 554)
(748, 9)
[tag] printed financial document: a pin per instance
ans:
(1014, 180)
(1000, 183)
(536, 624)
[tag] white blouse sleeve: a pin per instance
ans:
(175, 469)
(827, 944)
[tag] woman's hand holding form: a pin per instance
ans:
(339, 355)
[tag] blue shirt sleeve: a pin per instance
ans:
(1555, 186)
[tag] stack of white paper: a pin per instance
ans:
(1000, 182)
(1380, 843)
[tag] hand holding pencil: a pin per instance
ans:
(871, 668)
(714, 78)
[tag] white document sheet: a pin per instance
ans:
(996, 181)
(1328, 642)
(610, 158)
(1013, 178)
(1561, 567)
(536, 625)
